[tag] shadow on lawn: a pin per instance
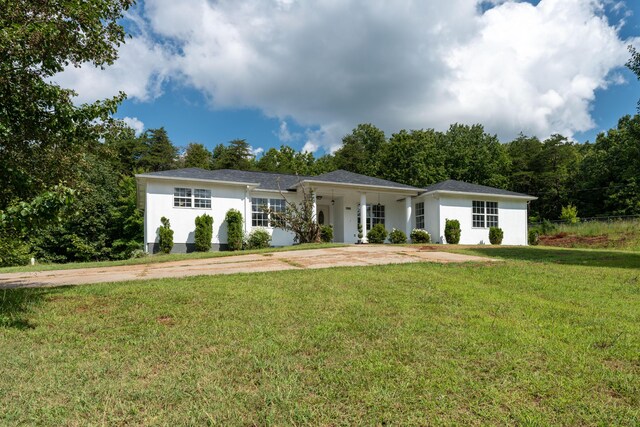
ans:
(585, 257)
(15, 305)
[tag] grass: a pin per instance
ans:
(620, 234)
(156, 258)
(548, 336)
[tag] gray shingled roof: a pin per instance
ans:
(465, 187)
(265, 180)
(346, 177)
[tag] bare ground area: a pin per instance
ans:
(276, 261)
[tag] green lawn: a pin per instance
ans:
(546, 337)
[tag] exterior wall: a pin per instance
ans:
(278, 237)
(431, 217)
(348, 206)
(512, 218)
(160, 203)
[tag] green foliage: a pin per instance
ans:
(452, 231)
(547, 227)
(235, 233)
(197, 156)
(203, 233)
(397, 236)
(377, 234)
(360, 234)
(420, 236)
(236, 156)
(496, 235)
(159, 153)
(166, 236)
(259, 238)
(360, 150)
(299, 219)
(569, 214)
(13, 252)
(534, 237)
(42, 132)
(286, 160)
(326, 233)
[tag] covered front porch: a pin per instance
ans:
(345, 206)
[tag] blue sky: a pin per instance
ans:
(285, 72)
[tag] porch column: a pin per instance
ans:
(363, 216)
(314, 207)
(407, 215)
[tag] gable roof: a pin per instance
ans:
(351, 178)
(263, 180)
(453, 186)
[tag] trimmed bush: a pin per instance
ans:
(377, 234)
(534, 237)
(326, 233)
(166, 236)
(234, 229)
(360, 234)
(452, 231)
(496, 235)
(13, 252)
(259, 238)
(397, 237)
(420, 236)
(204, 233)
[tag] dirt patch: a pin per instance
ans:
(566, 240)
(166, 320)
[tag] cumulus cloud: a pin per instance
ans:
(134, 123)
(329, 65)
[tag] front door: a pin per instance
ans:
(323, 215)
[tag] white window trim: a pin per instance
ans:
(269, 219)
(485, 215)
(422, 215)
(370, 216)
(193, 198)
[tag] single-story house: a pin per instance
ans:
(342, 199)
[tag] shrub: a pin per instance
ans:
(13, 252)
(377, 234)
(534, 237)
(259, 238)
(234, 229)
(496, 235)
(547, 227)
(397, 237)
(452, 231)
(166, 236)
(326, 233)
(204, 233)
(360, 234)
(420, 236)
(569, 214)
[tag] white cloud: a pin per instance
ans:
(330, 65)
(134, 123)
(256, 151)
(284, 134)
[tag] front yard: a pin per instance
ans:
(549, 336)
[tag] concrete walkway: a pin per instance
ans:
(356, 255)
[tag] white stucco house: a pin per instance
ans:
(342, 199)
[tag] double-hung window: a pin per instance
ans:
(485, 214)
(420, 215)
(191, 198)
(375, 215)
(182, 197)
(260, 208)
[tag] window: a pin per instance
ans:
(182, 197)
(259, 216)
(202, 198)
(485, 214)
(420, 215)
(375, 215)
(492, 214)
(187, 198)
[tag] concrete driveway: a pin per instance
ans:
(357, 255)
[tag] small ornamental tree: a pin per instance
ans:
(166, 236)
(234, 229)
(360, 235)
(298, 218)
(534, 237)
(420, 236)
(204, 233)
(452, 231)
(569, 214)
(397, 237)
(377, 234)
(496, 235)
